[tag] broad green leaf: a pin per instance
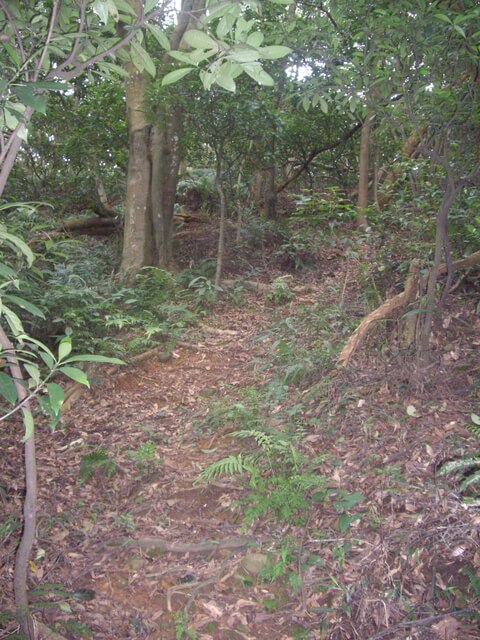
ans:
(225, 25)
(243, 54)
(56, 397)
(26, 305)
(199, 40)
(176, 75)
(95, 358)
(255, 39)
(100, 7)
(475, 419)
(12, 117)
(274, 52)
(64, 348)
(13, 320)
(6, 271)
(7, 388)
(75, 374)
(142, 60)
(27, 423)
(224, 78)
(50, 85)
(159, 36)
(33, 371)
(48, 360)
(22, 132)
(323, 105)
(43, 347)
(19, 244)
(179, 55)
(284, 2)
(442, 16)
(26, 94)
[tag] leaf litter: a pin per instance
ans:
(148, 552)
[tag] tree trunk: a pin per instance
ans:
(441, 244)
(154, 160)
(362, 203)
(138, 228)
(22, 557)
(223, 218)
(166, 157)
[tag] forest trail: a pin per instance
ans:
(131, 545)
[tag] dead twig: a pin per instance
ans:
(421, 622)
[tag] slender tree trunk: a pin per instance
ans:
(223, 218)
(137, 236)
(441, 244)
(24, 550)
(362, 203)
(166, 157)
(9, 153)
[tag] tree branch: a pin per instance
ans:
(313, 154)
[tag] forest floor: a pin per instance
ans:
(131, 545)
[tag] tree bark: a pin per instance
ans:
(22, 557)
(223, 218)
(138, 229)
(362, 203)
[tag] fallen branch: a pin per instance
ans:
(422, 622)
(384, 311)
(387, 309)
(206, 546)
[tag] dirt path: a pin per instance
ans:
(130, 545)
(150, 423)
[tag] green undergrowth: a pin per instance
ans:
(271, 424)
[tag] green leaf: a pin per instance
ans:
(224, 78)
(56, 397)
(28, 423)
(179, 55)
(48, 360)
(75, 374)
(176, 75)
(27, 338)
(274, 52)
(323, 105)
(20, 244)
(7, 388)
(95, 358)
(33, 372)
(13, 320)
(142, 60)
(411, 411)
(255, 39)
(64, 348)
(475, 419)
(50, 85)
(25, 304)
(159, 36)
(100, 7)
(26, 94)
(199, 40)
(6, 271)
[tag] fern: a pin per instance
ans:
(474, 427)
(461, 465)
(229, 466)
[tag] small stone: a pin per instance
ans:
(253, 563)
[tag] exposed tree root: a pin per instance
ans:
(391, 306)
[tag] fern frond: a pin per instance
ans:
(475, 429)
(471, 479)
(264, 440)
(229, 466)
(460, 465)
